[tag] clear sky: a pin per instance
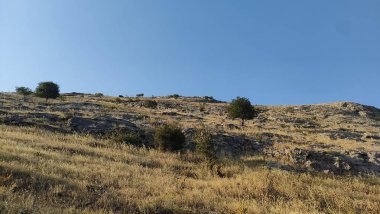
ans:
(271, 51)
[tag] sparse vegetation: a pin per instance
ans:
(49, 172)
(24, 91)
(175, 96)
(202, 107)
(125, 136)
(47, 90)
(169, 137)
(43, 172)
(204, 144)
(99, 94)
(150, 104)
(209, 97)
(241, 108)
(68, 115)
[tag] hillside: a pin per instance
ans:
(305, 159)
(336, 137)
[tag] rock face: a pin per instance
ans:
(229, 145)
(52, 122)
(99, 125)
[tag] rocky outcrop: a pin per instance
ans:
(99, 125)
(229, 145)
(52, 122)
(352, 162)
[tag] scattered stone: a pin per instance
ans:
(333, 162)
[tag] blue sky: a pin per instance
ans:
(273, 52)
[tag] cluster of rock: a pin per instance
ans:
(352, 162)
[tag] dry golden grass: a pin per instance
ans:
(44, 172)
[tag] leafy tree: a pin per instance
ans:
(24, 91)
(241, 108)
(47, 90)
(140, 95)
(169, 138)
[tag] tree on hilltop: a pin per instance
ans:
(47, 90)
(241, 108)
(24, 91)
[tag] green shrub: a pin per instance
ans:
(140, 95)
(150, 104)
(99, 95)
(68, 115)
(169, 138)
(202, 107)
(241, 108)
(175, 96)
(123, 136)
(204, 142)
(47, 90)
(24, 91)
(62, 98)
(118, 100)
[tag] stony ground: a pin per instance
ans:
(55, 158)
(338, 138)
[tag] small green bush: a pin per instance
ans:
(204, 142)
(99, 95)
(175, 96)
(62, 98)
(140, 95)
(169, 138)
(127, 137)
(150, 104)
(118, 100)
(24, 91)
(202, 107)
(68, 115)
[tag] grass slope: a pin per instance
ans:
(44, 172)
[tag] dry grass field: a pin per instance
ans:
(44, 172)
(47, 166)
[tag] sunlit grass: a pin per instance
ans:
(44, 172)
